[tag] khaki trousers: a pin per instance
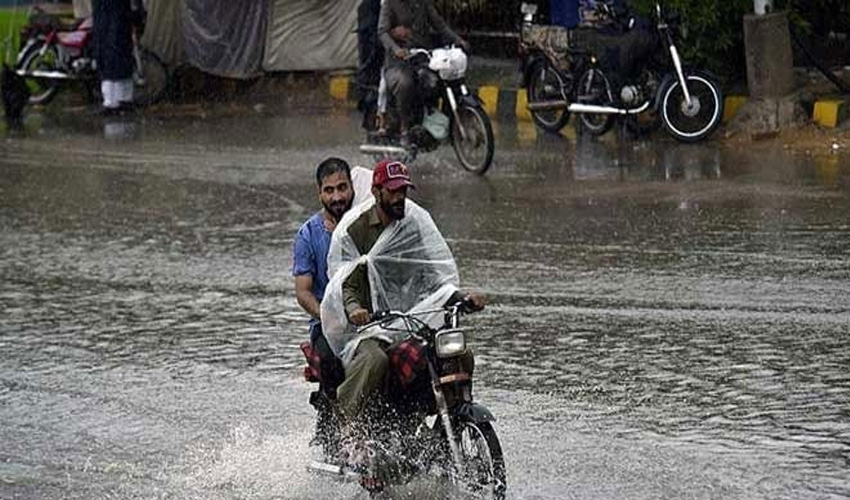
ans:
(364, 376)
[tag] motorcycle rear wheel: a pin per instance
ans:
(474, 147)
(593, 88)
(151, 78)
(545, 84)
(42, 90)
(483, 469)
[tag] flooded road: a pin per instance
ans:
(665, 321)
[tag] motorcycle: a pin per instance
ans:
(449, 113)
(688, 102)
(54, 54)
(431, 426)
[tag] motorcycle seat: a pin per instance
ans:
(76, 39)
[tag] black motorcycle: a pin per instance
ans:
(432, 426)
(687, 101)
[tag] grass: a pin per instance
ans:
(12, 19)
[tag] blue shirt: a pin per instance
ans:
(310, 254)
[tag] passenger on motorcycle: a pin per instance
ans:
(309, 268)
(387, 255)
(403, 25)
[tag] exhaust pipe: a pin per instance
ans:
(377, 149)
(585, 108)
(52, 75)
(547, 105)
(606, 110)
(335, 471)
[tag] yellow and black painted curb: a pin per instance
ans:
(511, 104)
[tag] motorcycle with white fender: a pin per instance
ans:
(447, 113)
(687, 101)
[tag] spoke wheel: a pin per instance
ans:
(150, 78)
(593, 88)
(474, 144)
(545, 84)
(692, 122)
(42, 90)
(483, 470)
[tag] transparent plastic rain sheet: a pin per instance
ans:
(410, 268)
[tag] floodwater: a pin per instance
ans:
(664, 321)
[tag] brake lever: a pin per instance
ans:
(378, 316)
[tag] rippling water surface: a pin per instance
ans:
(664, 322)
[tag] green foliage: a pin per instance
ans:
(819, 16)
(11, 21)
(715, 38)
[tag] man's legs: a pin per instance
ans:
(108, 89)
(364, 378)
(117, 93)
(331, 374)
(402, 86)
(124, 89)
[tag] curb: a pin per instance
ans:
(511, 104)
(829, 112)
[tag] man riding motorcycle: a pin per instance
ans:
(403, 25)
(387, 255)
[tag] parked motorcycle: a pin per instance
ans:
(688, 101)
(449, 113)
(54, 54)
(432, 426)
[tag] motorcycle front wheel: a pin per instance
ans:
(545, 84)
(42, 90)
(695, 121)
(150, 77)
(472, 138)
(483, 469)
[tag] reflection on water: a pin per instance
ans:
(665, 320)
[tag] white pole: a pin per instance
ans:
(762, 7)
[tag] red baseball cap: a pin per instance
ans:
(391, 174)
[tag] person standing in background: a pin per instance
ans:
(114, 21)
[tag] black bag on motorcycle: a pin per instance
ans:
(622, 54)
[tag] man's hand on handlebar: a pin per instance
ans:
(359, 317)
(401, 53)
(401, 33)
(473, 302)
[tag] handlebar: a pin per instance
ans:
(412, 320)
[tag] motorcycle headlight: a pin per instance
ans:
(450, 343)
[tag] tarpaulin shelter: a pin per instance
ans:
(243, 39)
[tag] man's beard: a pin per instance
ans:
(395, 210)
(338, 208)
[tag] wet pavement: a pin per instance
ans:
(665, 321)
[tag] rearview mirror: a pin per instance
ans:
(528, 9)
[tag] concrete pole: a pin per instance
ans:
(769, 58)
(772, 105)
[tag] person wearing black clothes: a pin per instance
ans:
(114, 21)
(371, 57)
